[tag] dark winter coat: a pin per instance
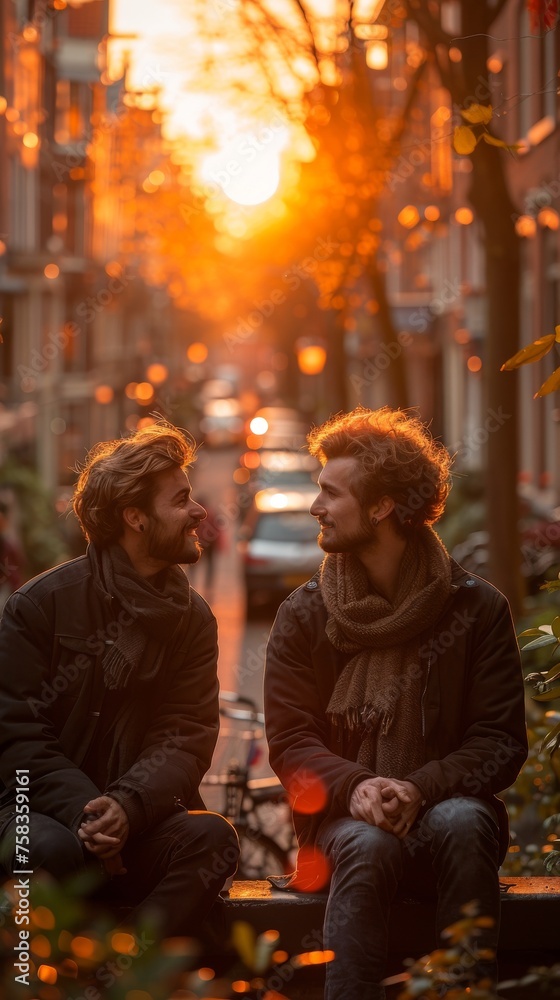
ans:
(53, 636)
(472, 707)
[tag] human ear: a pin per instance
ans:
(381, 509)
(134, 519)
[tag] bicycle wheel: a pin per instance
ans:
(260, 855)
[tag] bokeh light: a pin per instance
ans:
(197, 353)
(157, 373)
(313, 872)
(464, 216)
(144, 393)
(408, 216)
(526, 226)
(311, 359)
(103, 394)
(310, 799)
(258, 425)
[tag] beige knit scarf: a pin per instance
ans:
(374, 706)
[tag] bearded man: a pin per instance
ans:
(109, 695)
(394, 703)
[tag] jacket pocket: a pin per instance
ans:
(73, 662)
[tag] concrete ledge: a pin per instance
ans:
(530, 917)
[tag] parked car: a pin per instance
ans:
(284, 469)
(278, 544)
(282, 428)
(222, 422)
(540, 547)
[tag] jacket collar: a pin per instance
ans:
(460, 578)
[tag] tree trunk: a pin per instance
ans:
(490, 198)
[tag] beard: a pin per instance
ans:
(347, 541)
(169, 548)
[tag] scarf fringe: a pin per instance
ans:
(363, 720)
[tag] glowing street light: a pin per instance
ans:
(311, 359)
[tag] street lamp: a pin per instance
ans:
(311, 358)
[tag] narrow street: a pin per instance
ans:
(242, 643)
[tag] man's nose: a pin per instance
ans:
(197, 511)
(316, 507)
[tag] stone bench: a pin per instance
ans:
(529, 932)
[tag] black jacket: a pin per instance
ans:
(472, 709)
(52, 638)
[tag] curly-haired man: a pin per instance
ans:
(109, 695)
(394, 702)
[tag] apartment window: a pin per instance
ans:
(69, 122)
(538, 63)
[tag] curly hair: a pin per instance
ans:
(398, 458)
(120, 474)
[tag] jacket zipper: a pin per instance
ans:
(426, 688)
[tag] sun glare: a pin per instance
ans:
(257, 186)
(248, 178)
(228, 136)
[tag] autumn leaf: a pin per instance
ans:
(551, 385)
(478, 114)
(244, 938)
(493, 141)
(533, 352)
(464, 140)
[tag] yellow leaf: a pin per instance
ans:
(493, 141)
(464, 140)
(532, 352)
(244, 936)
(478, 114)
(552, 383)
(557, 334)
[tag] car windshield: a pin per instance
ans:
(281, 478)
(287, 526)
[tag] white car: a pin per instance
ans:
(278, 544)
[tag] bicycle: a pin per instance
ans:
(257, 807)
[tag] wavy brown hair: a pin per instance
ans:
(397, 455)
(120, 474)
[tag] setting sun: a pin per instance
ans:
(246, 182)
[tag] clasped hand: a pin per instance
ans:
(104, 831)
(390, 804)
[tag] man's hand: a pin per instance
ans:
(368, 804)
(401, 801)
(390, 804)
(104, 831)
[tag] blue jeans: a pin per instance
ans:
(454, 846)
